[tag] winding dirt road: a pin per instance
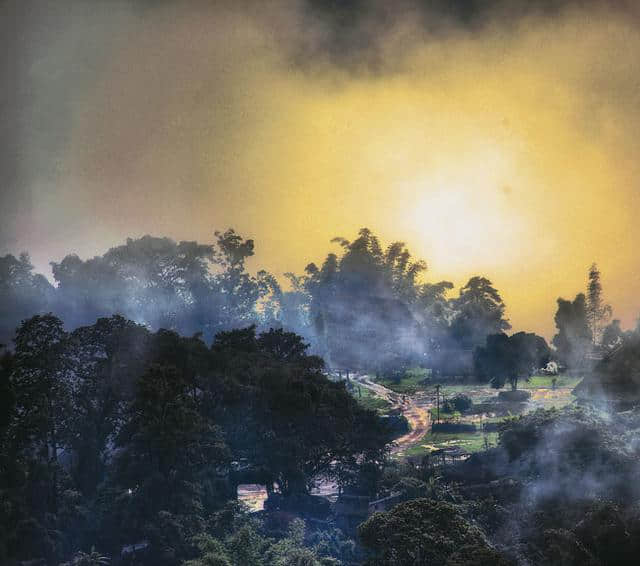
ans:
(418, 415)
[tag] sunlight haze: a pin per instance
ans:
(508, 151)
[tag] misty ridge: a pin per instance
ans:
(364, 306)
(368, 297)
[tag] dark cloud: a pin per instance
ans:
(352, 33)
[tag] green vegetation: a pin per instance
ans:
(122, 435)
(540, 381)
(188, 423)
(469, 441)
(247, 545)
(369, 400)
(418, 379)
(411, 381)
(480, 392)
(567, 495)
(444, 415)
(448, 390)
(423, 531)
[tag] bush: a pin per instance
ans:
(396, 425)
(421, 531)
(459, 402)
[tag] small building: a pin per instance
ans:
(453, 453)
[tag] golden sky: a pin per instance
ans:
(508, 150)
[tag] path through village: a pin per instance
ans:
(415, 408)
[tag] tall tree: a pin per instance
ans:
(598, 313)
(107, 357)
(43, 400)
(167, 448)
(479, 311)
(22, 294)
(237, 292)
(283, 414)
(362, 303)
(154, 281)
(184, 286)
(424, 531)
(574, 339)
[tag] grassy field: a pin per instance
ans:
(543, 395)
(369, 400)
(444, 415)
(546, 381)
(417, 383)
(469, 441)
(410, 383)
(417, 379)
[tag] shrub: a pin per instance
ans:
(459, 402)
(421, 531)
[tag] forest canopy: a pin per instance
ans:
(366, 306)
(112, 434)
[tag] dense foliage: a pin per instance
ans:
(558, 489)
(368, 309)
(574, 338)
(112, 434)
(365, 308)
(187, 286)
(123, 439)
(562, 487)
(422, 532)
(510, 358)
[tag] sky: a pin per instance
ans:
(494, 138)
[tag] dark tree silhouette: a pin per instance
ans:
(598, 313)
(113, 434)
(43, 398)
(186, 286)
(423, 531)
(22, 294)
(365, 306)
(479, 311)
(511, 358)
(574, 339)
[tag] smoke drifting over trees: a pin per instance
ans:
(367, 306)
(157, 282)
